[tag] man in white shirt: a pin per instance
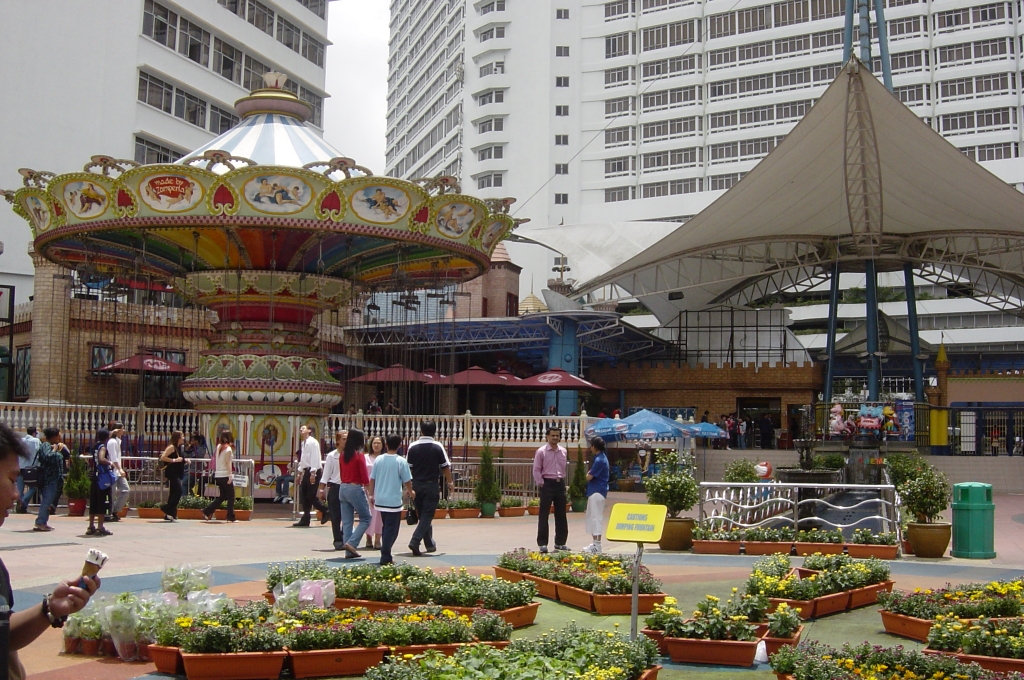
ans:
(310, 468)
(329, 483)
(120, 489)
(26, 458)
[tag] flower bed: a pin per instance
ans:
(811, 541)
(911, 614)
(569, 654)
(712, 541)
(994, 644)
(582, 580)
(767, 541)
(866, 543)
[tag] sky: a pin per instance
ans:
(355, 115)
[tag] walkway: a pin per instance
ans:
(240, 552)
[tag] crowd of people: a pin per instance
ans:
(743, 431)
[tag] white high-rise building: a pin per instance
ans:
(146, 80)
(649, 109)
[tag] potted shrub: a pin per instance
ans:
(511, 506)
(91, 632)
(533, 506)
(578, 487)
(741, 471)
(924, 497)
(674, 487)
(149, 510)
(784, 628)
(243, 509)
(487, 491)
(76, 486)
(72, 634)
(464, 509)
(191, 507)
(716, 634)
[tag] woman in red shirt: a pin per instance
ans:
(352, 492)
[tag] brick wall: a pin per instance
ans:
(982, 387)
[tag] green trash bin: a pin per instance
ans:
(974, 518)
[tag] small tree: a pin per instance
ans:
(578, 488)
(926, 495)
(673, 486)
(487, 489)
(76, 484)
(740, 471)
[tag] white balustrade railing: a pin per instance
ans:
(468, 429)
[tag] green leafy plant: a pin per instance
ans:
(829, 461)
(768, 534)
(662, 613)
(783, 622)
(243, 503)
(868, 537)
(148, 504)
(463, 504)
(578, 487)
(487, 489)
(741, 471)
(76, 484)
(511, 502)
(533, 503)
(713, 621)
(819, 536)
(489, 627)
(903, 467)
(926, 495)
(191, 502)
(672, 486)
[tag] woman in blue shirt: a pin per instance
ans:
(597, 492)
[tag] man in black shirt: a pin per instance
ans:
(427, 460)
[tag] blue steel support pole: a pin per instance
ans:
(848, 30)
(833, 314)
(883, 43)
(865, 32)
(872, 329)
(915, 340)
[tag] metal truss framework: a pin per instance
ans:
(745, 272)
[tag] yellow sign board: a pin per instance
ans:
(636, 523)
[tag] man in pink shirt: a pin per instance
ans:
(549, 474)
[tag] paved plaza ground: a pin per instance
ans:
(240, 552)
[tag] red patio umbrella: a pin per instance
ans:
(556, 379)
(144, 363)
(473, 376)
(393, 373)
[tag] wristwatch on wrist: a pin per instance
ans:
(55, 621)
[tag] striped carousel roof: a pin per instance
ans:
(270, 139)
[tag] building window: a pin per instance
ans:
(614, 10)
(617, 106)
(722, 120)
(561, 81)
(722, 88)
(956, 89)
(790, 12)
(827, 73)
(684, 186)
(796, 45)
(492, 33)
(235, 6)
(987, 13)
(794, 78)
(488, 181)
(221, 121)
(957, 121)
(761, 115)
(826, 9)
(561, 199)
(261, 16)
(792, 110)
(668, 35)
(994, 83)
(159, 23)
(252, 74)
(756, 83)
(616, 194)
(996, 152)
(904, 27)
(101, 355)
(952, 19)
(495, 67)
(722, 58)
(720, 182)
(655, 190)
(616, 45)
(616, 166)
(227, 61)
(986, 49)
(617, 76)
(312, 49)
(511, 304)
(561, 50)
(317, 102)
(721, 25)
(753, 19)
(289, 35)
(318, 7)
(190, 108)
(949, 54)
(908, 94)
(561, 140)
(155, 92)
(490, 97)
(489, 152)
(194, 42)
(561, 110)
(151, 153)
(996, 118)
(723, 152)
(495, 124)
(496, 6)
(22, 368)
(561, 168)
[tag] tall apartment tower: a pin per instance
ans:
(142, 79)
(650, 109)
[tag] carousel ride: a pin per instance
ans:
(268, 227)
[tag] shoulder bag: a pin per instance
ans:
(33, 473)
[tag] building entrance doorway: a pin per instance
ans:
(765, 429)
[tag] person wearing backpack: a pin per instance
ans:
(101, 479)
(173, 461)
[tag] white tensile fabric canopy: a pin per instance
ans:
(860, 176)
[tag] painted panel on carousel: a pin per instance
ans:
(380, 204)
(170, 193)
(454, 219)
(37, 211)
(279, 194)
(85, 199)
(492, 233)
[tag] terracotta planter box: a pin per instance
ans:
(576, 597)
(447, 650)
(236, 666)
(906, 626)
(716, 547)
(773, 644)
(717, 652)
(993, 663)
(508, 574)
(823, 548)
(862, 597)
(532, 509)
(167, 659)
(329, 663)
(882, 552)
(805, 608)
(659, 638)
(545, 588)
(497, 644)
(519, 617)
(622, 604)
(830, 604)
(783, 676)
(188, 513)
(370, 605)
(240, 515)
(463, 513)
(766, 547)
(150, 513)
(440, 513)
(512, 512)
(269, 596)
(89, 647)
(71, 645)
(650, 673)
(907, 548)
